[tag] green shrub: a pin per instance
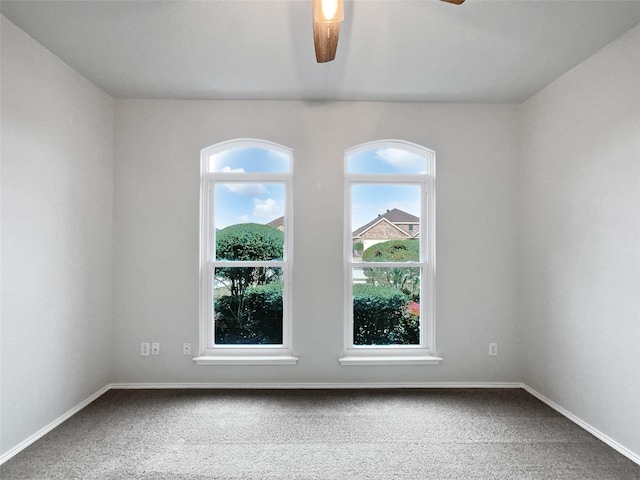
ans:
(381, 317)
(407, 278)
(264, 309)
(246, 241)
(261, 311)
(393, 251)
(249, 241)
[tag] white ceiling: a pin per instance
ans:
(389, 50)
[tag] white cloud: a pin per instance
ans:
(228, 169)
(246, 188)
(243, 219)
(268, 208)
(401, 159)
(217, 160)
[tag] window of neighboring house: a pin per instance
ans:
(389, 268)
(245, 254)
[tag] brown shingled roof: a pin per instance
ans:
(394, 216)
(277, 222)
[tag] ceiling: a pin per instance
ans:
(389, 50)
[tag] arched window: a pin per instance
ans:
(389, 247)
(245, 253)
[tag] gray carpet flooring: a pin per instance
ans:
(319, 434)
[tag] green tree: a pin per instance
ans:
(405, 279)
(246, 241)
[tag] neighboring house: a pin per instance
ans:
(277, 223)
(395, 224)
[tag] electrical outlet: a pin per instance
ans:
(186, 349)
(144, 349)
(493, 349)
(155, 348)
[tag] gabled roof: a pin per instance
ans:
(392, 216)
(378, 221)
(277, 222)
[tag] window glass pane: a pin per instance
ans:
(387, 160)
(249, 160)
(386, 306)
(385, 222)
(249, 220)
(247, 305)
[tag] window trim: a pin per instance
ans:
(210, 354)
(424, 353)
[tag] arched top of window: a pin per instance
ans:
(247, 156)
(389, 157)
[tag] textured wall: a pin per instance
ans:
(156, 233)
(57, 197)
(581, 241)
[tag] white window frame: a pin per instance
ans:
(424, 353)
(210, 353)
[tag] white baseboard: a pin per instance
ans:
(298, 385)
(634, 457)
(43, 431)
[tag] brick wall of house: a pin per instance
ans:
(383, 230)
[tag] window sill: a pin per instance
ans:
(246, 360)
(389, 360)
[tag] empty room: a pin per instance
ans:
(320, 239)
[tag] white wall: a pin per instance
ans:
(57, 175)
(156, 198)
(581, 241)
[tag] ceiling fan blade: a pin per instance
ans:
(325, 39)
(455, 2)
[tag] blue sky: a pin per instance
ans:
(252, 202)
(250, 160)
(368, 201)
(387, 160)
(258, 202)
(249, 202)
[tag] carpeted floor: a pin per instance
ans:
(319, 434)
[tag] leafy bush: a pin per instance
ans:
(381, 316)
(264, 309)
(246, 241)
(393, 251)
(261, 310)
(406, 279)
(249, 241)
